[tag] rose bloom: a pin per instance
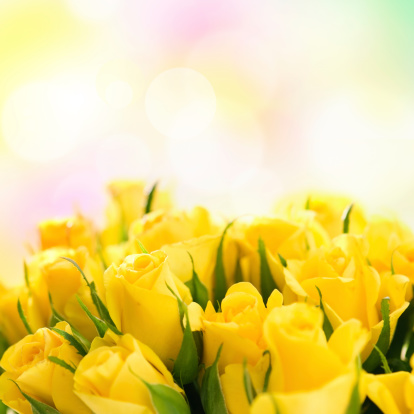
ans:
(141, 304)
(105, 383)
(238, 326)
(350, 287)
(27, 363)
(69, 232)
(50, 274)
(309, 374)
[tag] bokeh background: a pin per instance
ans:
(233, 103)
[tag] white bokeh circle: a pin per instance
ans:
(41, 121)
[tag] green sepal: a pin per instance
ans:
(78, 345)
(23, 317)
(267, 283)
(327, 326)
(37, 406)
(212, 396)
(142, 247)
(268, 371)
(345, 218)
(248, 384)
(26, 276)
(198, 290)
(61, 363)
(354, 405)
(282, 260)
(383, 342)
(100, 325)
(3, 408)
(220, 287)
(150, 198)
(165, 399)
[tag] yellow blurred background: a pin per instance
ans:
(233, 103)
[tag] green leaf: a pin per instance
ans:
(100, 325)
(150, 198)
(354, 406)
(4, 344)
(198, 290)
(267, 283)
(23, 317)
(268, 371)
(327, 327)
(282, 260)
(72, 340)
(212, 396)
(186, 365)
(165, 399)
(248, 385)
(100, 306)
(345, 218)
(383, 342)
(384, 361)
(220, 287)
(37, 406)
(61, 363)
(141, 246)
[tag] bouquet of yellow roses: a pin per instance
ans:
(307, 310)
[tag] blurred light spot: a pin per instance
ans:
(119, 82)
(123, 156)
(41, 121)
(215, 161)
(95, 10)
(180, 103)
(240, 66)
(119, 94)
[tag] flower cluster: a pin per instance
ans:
(307, 310)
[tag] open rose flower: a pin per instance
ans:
(140, 302)
(108, 379)
(28, 365)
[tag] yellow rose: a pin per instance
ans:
(328, 208)
(127, 205)
(140, 302)
(49, 273)
(11, 326)
(309, 374)
(160, 228)
(27, 363)
(238, 326)
(391, 393)
(290, 239)
(105, 383)
(204, 253)
(350, 288)
(70, 232)
(384, 236)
